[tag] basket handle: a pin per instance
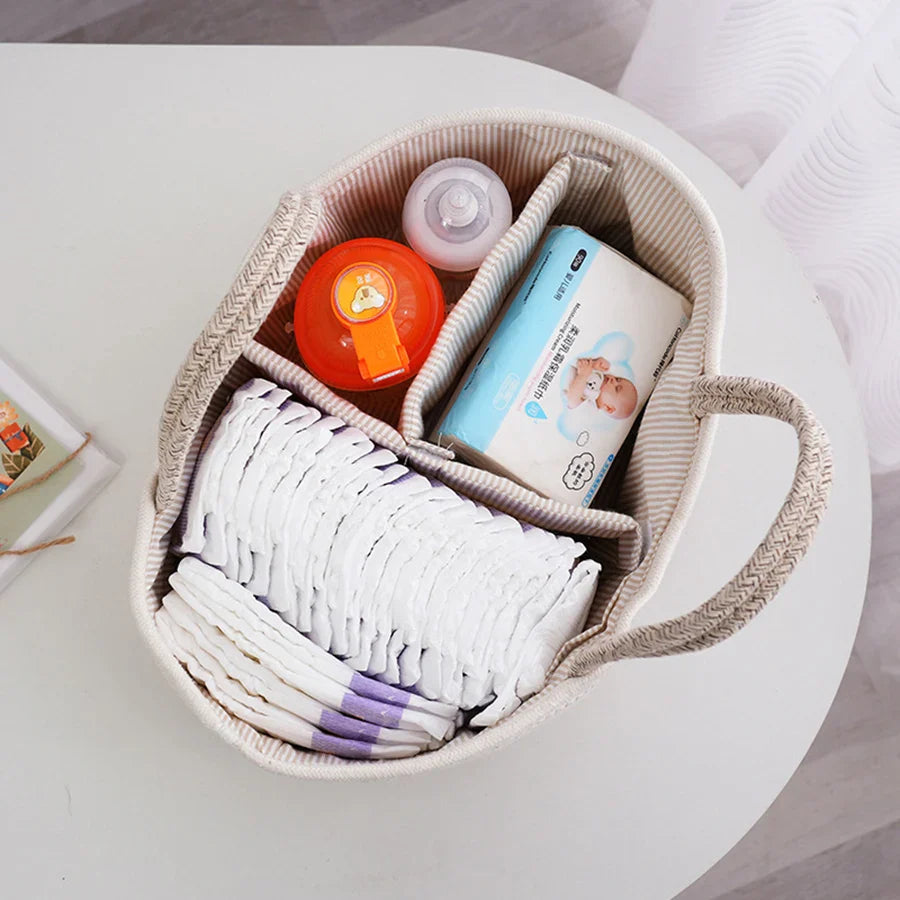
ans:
(784, 545)
(238, 317)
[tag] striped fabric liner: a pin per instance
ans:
(493, 490)
(160, 562)
(274, 255)
(472, 316)
(303, 384)
(559, 170)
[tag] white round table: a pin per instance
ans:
(134, 179)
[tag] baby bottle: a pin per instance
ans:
(366, 314)
(454, 213)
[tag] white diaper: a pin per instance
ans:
(316, 494)
(193, 536)
(396, 574)
(439, 542)
(444, 572)
(526, 669)
(403, 574)
(233, 473)
(460, 597)
(351, 545)
(282, 595)
(376, 539)
(276, 471)
(262, 634)
(259, 680)
(258, 712)
(270, 456)
(225, 473)
(349, 487)
(535, 580)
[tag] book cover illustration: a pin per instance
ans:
(21, 446)
(27, 451)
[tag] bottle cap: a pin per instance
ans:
(367, 313)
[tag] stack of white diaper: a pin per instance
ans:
(394, 573)
(266, 673)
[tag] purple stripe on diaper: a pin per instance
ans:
(375, 690)
(345, 727)
(328, 743)
(382, 713)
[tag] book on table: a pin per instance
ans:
(35, 437)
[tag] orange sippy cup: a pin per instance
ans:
(367, 313)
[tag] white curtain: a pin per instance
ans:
(799, 100)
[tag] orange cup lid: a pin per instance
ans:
(367, 313)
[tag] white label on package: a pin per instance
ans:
(557, 385)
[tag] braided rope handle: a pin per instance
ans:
(784, 545)
(233, 325)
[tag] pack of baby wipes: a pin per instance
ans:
(558, 383)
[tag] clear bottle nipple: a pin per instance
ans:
(458, 207)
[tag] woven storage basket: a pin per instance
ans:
(559, 169)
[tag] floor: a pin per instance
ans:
(834, 832)
(520, 28)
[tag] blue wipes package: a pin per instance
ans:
(556, 386)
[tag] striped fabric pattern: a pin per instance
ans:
(480, 485)
(559, 169)
(273, 257)
(471, 317)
